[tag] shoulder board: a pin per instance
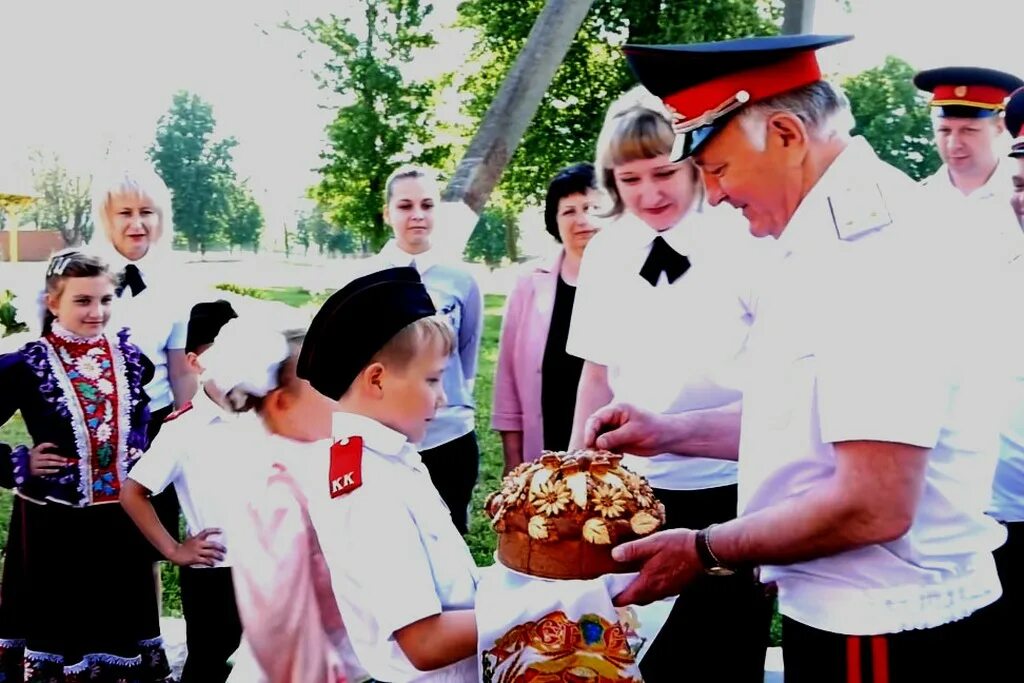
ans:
(346, 473)
(858, 210)
(178, 413)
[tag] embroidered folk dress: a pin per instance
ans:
(78, 600)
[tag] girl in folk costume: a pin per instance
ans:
(78, 599)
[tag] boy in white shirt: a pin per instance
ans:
(187, 457)
(403, 577)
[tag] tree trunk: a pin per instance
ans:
(516, 102)
(797, 17)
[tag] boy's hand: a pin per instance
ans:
(197, 550)
(41, 462)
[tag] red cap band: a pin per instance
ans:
(760, 83)
(981, 96)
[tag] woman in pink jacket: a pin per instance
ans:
(536, 380)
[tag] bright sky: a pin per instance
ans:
(80, 78)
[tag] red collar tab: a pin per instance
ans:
(346, 473)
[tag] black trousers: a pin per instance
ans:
(719, 628)
(959, 651)
(213, 629)
(453, 468)
(1004, 615)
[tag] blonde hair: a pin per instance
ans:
(412, 339)
(141, 181)
(408, 171)
(637, 126)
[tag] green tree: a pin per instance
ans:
(196, 168)
(893, 116)
(490, 239)
(243, 222)
(387, 119)
(63, 202)
(593, 73)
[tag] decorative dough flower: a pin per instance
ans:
(610, 502)
(551, 498)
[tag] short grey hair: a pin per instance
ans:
(823, 108)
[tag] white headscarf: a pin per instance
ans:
(245, 360)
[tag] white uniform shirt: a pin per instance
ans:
(1008, 489)
(394, 554)
(676, 346)
(988, 218)
(206, 454)
(864, 332)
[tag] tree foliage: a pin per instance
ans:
(494, 236)
(243, 221)
(893, 116)
(196, 168)
(593, 73)
(386, 118)
(63, 200)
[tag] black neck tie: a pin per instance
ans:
(131, 278)
(663, 259)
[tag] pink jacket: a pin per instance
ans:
(283, 589)
(524, 333)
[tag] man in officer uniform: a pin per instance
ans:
(868, 442)
(967, 117)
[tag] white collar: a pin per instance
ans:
(207, 410)
(66, 335)
(682, 236)
(377, 437)
(396, 256)
(997, 185)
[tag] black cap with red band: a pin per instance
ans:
(967, 92)
(705, 84)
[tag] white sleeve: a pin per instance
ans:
(160, 465)
(394, 578)
(886, 368)
(591, 331)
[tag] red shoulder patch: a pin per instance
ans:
(346, 466)
(178, 413)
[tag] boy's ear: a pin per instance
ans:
(278, 400)
(372, 378)
(192, 358)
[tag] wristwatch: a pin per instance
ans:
(711, 564)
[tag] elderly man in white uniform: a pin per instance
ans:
(868, 439)
(967, 105)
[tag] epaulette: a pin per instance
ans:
(346, 474)
(858, 210)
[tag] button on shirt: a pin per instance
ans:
(394, 554)
(207, 454)
(864, 331)
(675, 346)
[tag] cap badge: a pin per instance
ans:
(960, 91)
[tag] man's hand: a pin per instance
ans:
(42, 462)
(625, 428)
(197, 550)
(669, 563)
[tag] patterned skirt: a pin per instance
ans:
(78, 601)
